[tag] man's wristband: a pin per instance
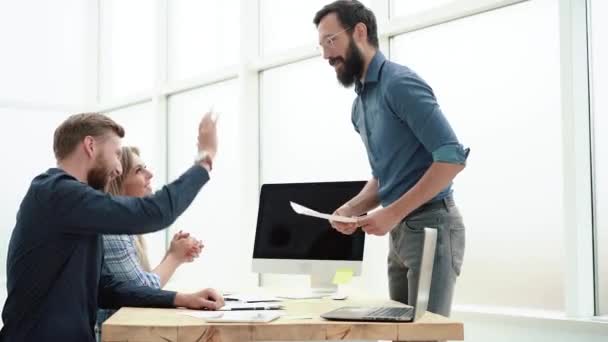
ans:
(204, 157)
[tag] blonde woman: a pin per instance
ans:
(125, 256)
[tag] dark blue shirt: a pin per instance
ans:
(402, 128)
(55, 279)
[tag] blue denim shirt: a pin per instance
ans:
(402, 128)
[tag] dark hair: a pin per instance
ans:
(350, 13)
(75, 128)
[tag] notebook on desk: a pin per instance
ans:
(402, 313)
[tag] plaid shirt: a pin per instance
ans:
(120, 258)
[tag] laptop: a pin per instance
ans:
(397, 314)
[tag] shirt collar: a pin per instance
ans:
(373, 71)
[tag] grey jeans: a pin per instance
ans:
(405, 253)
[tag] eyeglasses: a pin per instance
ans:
(328, 42)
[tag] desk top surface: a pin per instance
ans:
(146, 324)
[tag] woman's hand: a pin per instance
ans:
(184, 247)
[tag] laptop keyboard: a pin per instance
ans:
(389, 313)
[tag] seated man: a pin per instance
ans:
(55, 280)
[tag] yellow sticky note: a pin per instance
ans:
(343, 276)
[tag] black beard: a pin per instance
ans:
(352, 66)
(98, 177)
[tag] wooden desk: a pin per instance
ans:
(140, 324)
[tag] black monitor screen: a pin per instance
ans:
(283, 234)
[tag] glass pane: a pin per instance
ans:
(128, 47)
(200, 42)
(144, 129)
(44, 54)
(500, 89)
(213, 218)
(298, 137)
(25, 156)
(306, 135)
(411, 7)
(288, 24)
(599, 78)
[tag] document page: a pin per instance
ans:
(302, 210)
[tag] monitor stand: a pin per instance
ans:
(322, 284)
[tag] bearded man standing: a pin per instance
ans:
(413, 152)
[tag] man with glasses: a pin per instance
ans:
(413, 152)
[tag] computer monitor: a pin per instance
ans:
(289, 243)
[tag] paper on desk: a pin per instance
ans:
(202, 314)
(234, 316)
(252, 298)
(302, 210)
(251, 306)
(246, 317)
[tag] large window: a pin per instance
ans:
(45, 57)
(498, 84)
(128, 47)
(203, 37)
(303, 109)
(412, 7)
(288, 24)
(213, 216)
(599, 79)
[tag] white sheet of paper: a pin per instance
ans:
(250, 306)
(247, 317)
(202, 314)
(235, 316)
(302, 210)
(253, 298)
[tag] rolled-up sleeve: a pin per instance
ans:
(453, 154)
(414, 103)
